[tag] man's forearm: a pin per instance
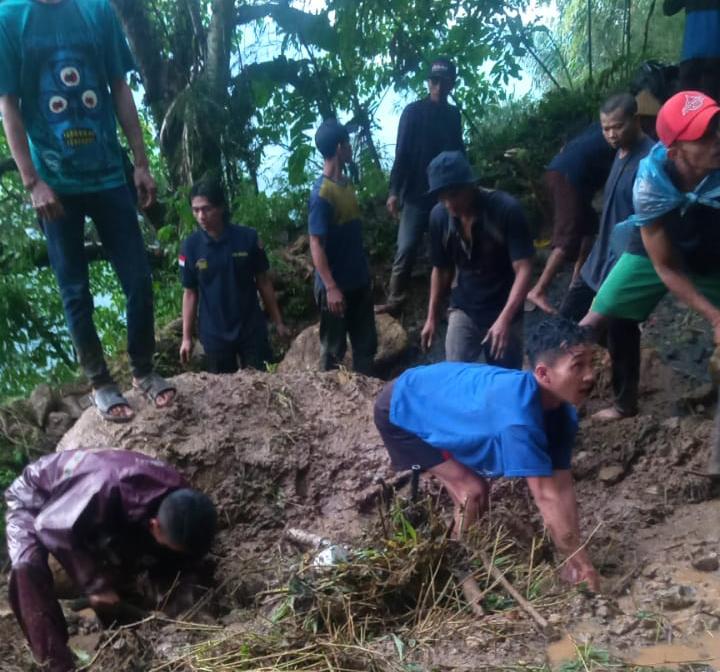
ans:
(555, 497)
(17, 139)
(129, 121)
(269, 298)
(683, 289)
(440, 280)
(519, 289)
(189, 310)
(320, 261)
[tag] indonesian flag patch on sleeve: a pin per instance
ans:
(181, 261)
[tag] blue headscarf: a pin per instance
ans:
(654, 194)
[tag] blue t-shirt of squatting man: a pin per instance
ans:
(60, 59)
(488, 418)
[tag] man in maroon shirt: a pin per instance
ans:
(101, 515)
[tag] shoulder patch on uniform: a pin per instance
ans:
(181, 260)
(201, 264)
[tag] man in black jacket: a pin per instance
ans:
(427, 128)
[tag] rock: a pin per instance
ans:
(706, 563)
(611, 474)
(304, 353)
(624, 625)
(702, 395)
(74, 405)
(58, 423)
(671, 423)
(676, 597)
(43, 400)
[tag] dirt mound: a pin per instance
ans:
(272, 450)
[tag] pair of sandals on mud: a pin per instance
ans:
(108, 399)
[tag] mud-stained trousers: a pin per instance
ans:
(31, 592)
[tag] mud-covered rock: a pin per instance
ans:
(611, 474)
(676, 597)
(43, 400)
(706, 562)
(304, 353)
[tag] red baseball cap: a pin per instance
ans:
(685, 117)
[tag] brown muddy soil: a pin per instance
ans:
(300, 450)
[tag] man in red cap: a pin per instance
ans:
(674, 236)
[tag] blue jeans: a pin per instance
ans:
(115, 217)
(413, 224)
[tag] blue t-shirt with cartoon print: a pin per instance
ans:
(59, 60)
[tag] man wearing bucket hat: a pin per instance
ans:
(427, 127)
(674, 241)
(479, 238)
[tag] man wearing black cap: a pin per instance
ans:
(480, 238)
(427, 127)
(342, 275)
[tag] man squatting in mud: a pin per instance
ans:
(465, 423)
(106, 516)
(673, 237)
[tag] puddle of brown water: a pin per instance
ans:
(561, 651)
(705, 649)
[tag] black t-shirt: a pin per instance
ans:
(695, 235)
(425, 130)
(484, 273)
(585, 160)
(224, 272)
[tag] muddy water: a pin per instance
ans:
(705, 649)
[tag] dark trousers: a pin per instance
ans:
(115, 217)
(252, 350)
(358, 323)
(622, 339)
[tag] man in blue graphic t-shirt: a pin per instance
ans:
(464, 423)
(62, 84)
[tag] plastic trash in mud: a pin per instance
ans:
(329, 553)
(330, 556)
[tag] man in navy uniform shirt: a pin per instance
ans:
(224, 266)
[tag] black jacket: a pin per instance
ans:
(426, 129)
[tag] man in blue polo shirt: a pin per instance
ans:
(223, 267)
(342, 276)
(465, 423)
(479, 238)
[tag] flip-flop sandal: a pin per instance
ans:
(152, 386)
(106, 398)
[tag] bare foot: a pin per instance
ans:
(541, 302)
(121, 411)
(389, 308)
(608, 414)
(165, 398)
